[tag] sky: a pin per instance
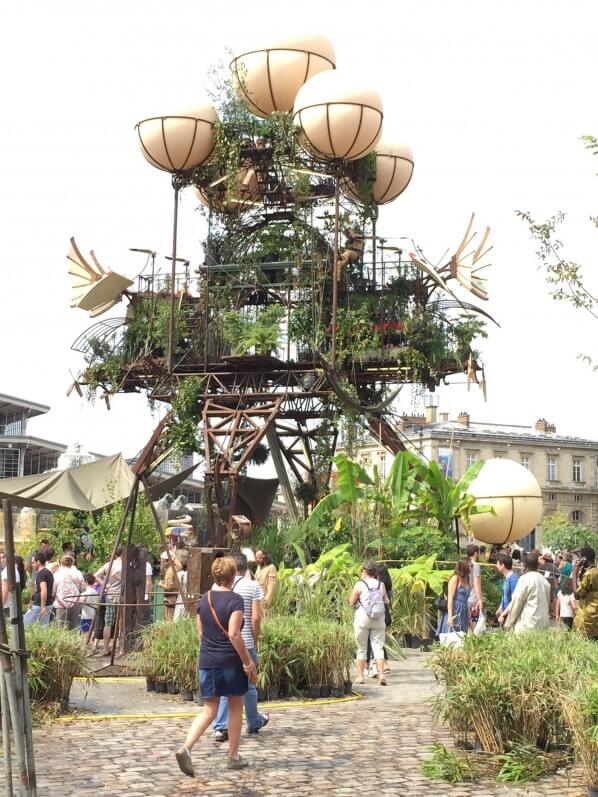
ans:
(492, 96)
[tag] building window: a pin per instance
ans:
(9, 463)
(577, 469)
(551, 496)
(525, 461)
(471, 459)
(576, 516)
(552, 472)
(382, 466)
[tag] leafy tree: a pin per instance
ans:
(560, 533)
(565, 277)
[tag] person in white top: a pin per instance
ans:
(368, 598)
(68, 586)
(566, 607)
(7, 602)
(113, 585)
(529, 609)
(90, 601)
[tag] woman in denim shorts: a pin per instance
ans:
(224, 663)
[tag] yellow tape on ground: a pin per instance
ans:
(190, 714)
(114, 679)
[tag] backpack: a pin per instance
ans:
(372, 601)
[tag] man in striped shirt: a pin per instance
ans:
(252, 595)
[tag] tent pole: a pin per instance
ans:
(14, 704)
(19, 643)
(163, 539)
(4, 708)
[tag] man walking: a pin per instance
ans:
(504, 565)
(530, 607)
(41, 602)
(252, 595)
(111, 595)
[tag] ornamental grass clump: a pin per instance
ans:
(168, 651)
(56, 657)
(503, 687)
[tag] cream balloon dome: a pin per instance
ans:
(268, 78)
(514, 493)
(394, 169)
(181, 141)
(338, 116)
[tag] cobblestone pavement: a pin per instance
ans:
(367, 747)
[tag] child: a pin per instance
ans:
(90, 600)
(566, 606)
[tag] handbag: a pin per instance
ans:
(252, 676)
(453, 639)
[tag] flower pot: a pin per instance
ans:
(161, 687)
(408, 638)
(198, 698)
(171, 688)
(284, 689)
(262, 695)
(337, 691)
(592, 791)
(415, 642)
(313, 692)
(187, 694)
(273, 693)
(348, 687)
(64, 705)
(324, 691)
(150, 684)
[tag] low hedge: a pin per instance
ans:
(56, 657)
(296, 653)
(537, 688)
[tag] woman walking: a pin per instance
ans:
(456, 617)
(369, 599)
(224, 663)
(68, 586)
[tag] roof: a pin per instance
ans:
(26, 441)
(498, 433)
(10, 402)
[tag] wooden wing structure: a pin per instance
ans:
(93, 288)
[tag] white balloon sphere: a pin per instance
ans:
(267, 78)
(394, 169)
(177, 142)
(338, 116)
(514, 493)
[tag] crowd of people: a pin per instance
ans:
(538, 589)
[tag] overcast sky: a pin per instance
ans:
(492, 96)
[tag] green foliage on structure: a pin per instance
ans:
(560, 533)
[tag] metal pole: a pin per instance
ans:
(19, 643)
(6, 737)
(14, 704)
(171, 325)
(457, 535)
(374, 220)
(335, 275)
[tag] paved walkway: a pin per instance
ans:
(366, 747)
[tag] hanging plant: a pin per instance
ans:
(183, 431)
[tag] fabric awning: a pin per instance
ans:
(86, 488)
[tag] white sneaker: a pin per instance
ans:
(373, 673)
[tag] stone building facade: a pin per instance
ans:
(566, 467)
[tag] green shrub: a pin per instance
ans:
(504, 687)
(444, 765)
(57, 656)
(168, 651)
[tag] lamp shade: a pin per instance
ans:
(394, 169)
(268, 78)
(338, 117)
(514, 493)
(178, 142)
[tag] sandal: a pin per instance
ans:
(360, 681)
(382, 681)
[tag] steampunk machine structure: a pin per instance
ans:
(301, 316)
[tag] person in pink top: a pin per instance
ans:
(68, 586)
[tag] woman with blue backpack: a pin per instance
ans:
(369, 598)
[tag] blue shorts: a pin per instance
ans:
(223, 682)
(84, 626)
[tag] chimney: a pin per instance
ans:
(463, 418)
(444, 417)
(431, 414)
(542, 425)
